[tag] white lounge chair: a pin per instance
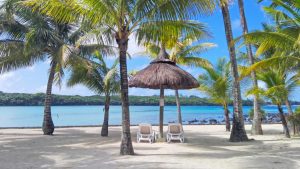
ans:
(175, 132)
(145, 133)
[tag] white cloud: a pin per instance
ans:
(133, 48)
(31, 68)
(261, 84)
(6, 76)
(64, 90)
(41, 89)
(75, 90)
(9, 81)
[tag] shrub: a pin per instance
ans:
(295, 118)
(251, 113)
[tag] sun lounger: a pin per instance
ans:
(145, 133)
(175, 132)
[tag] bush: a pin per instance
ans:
(295, 118)
(251, 113)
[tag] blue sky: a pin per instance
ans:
(34, 79)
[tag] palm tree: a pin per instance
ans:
(270, 58)
(148, 20)
(238, 132)
(98, 77)
(216, 84)
(279, 84)
(183, 52)
(32, 37)
(256, 123)
(284, 39)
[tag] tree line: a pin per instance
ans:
(25, 99)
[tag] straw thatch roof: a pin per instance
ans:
(163, 72)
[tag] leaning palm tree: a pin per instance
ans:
(238, 132)
(256, 123)
(182, 52)
(279, 84)
(94, 73)
(216, 84)
(33, 37)
(148, 20)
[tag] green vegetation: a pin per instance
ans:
(22, 99)
(59, 31)
(251, 113)
(94, 73)
(216, 83)
(295, 118)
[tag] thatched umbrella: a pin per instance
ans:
(162, 74)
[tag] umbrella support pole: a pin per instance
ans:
(161, 113)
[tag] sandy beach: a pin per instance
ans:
(206, 147)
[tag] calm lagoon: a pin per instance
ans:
(31, 116)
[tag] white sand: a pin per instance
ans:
(206, 147)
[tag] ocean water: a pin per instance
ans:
(31, 116)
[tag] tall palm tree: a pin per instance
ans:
(216, 84)
(279, 84)
(32, 37)
(148, 20)
(182, 52)
(256, 123)
(94, 73)
(238, 132)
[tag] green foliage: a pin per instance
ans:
(295, 118)
(150, 20)
(251, 113)
(182, 51)
(22, 99)
(279, 82)
(284, 39)
(94, 73)
(216, 82)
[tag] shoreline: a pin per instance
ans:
(132, 125)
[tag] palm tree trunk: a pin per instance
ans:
(238, 132)
(48, 126)
(289, 107)
(227, 120)
(126, 143)
(161, 112)
(284, 123)
(256, 124)
(290, 111)
(104, 130)
(178, 107)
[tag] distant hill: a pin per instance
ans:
(24, 99)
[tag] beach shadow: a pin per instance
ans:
(67, 148)
(77, 148)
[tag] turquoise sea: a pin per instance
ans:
(31, 116)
